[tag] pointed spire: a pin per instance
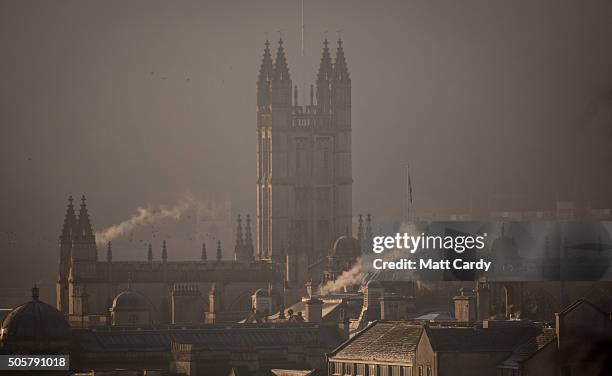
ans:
(164, 252)
(324, 77)
(70, 222)
(219, 252)
(325, 67)
(341, 72)
(266, 68)
(281, 69)
(360, 231)
(109, 252)
(368, 231)
(150, 253)
(248, 241)
(203, 251)
(263, 80)
(239, 238)
(84, 224)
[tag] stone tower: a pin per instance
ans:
(84, 257)
(69, 231)
(304, 172)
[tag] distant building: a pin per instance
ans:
(87, 285)
(384, 348)
(304, 172)
(578, 344)
(472, 350)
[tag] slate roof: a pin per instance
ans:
(477, 339)
(390, 341)
(216, 337)
(528, 348)
(578, 303)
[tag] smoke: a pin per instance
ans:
(363, 270)
(350, 277)
(146, 216)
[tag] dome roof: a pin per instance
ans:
(346, 246)
(35, 320)
(130, 300)
(261, 292)
(373, 284)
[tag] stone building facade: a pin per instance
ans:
(304, 172)
(86, 285)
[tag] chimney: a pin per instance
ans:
(312, 289)
(314, 310)
(465, 310)
(483, 300)
(392, 307)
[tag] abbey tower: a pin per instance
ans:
(304, 178)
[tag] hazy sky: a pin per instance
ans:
(136, 102)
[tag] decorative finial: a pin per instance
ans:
(83, 200)
(70, 200)
(339, 37)
(35, 292)
(219, 252)
(150, 252)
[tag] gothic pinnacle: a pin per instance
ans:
(281, 70)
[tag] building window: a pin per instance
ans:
(348, 368)
(406, 371)
(337, 368)
(360, 370)
(372, 370)
(420, 370)
(428, 371)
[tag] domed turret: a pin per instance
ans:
(261, 301)
(346, 247)
(35, 326)
(131, 308)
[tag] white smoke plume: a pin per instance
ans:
(146, 216)
(351, 277)
(363, 270)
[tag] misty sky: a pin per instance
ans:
(136, 102)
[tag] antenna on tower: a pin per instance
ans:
(302, 27)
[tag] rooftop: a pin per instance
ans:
(387, 341)
(476, 339)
